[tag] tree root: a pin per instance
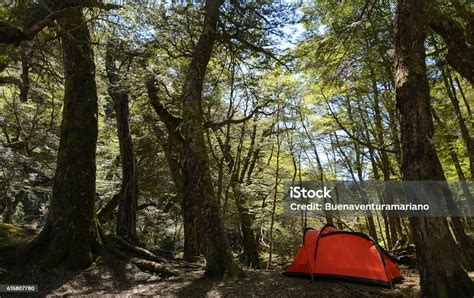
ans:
(139, 251)
(154, 267)
(145, 259)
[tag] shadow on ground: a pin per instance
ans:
(123, 279)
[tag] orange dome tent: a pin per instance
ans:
(344, 255)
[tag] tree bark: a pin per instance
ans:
(71, 234)
(441, 275)
(127, 206)
(196, 172)
(25, 76)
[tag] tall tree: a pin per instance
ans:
(240, 197)
(458, 227)
(174, 152)
(385, 161)
(441, 275)
(196, 172)
(127, 213)
(275, 190)
(71, 234)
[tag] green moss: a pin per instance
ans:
(12, 239)
(10, 234)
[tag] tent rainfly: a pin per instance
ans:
(345, 255)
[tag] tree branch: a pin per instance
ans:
(216, 125)
(171, 122)
(13, 35)
(460, 56)
(11, 80)
(255, 48)
(357, 140)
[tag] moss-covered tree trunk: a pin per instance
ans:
(247, 220)
(174, 153)
(71, 234)
(127, 205)
(197, 181)
(246, 226)
(191, 250)
(441, 275)
(460, 52)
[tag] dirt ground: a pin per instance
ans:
(119, 278)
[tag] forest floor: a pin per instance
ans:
(120, 278)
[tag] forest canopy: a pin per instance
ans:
(166, 131)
